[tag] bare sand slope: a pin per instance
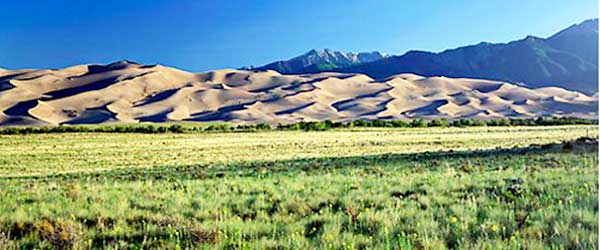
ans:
(129, 92)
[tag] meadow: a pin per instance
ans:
(351, 188)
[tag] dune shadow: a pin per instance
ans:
(21, 108)
(32, 77)
(489, 88)
(93, 115)
(430, 109)
(10, 76)
(219, 114)
(382, 107)
(294, 109)
(343, 104)
(310, 82)
(6, 85)
(264, 89)
(159, 117)
(157, 97)
(94, 69)
(97, 85)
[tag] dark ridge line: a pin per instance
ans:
(32, 77)
(93, 86)
(21, 108)
(96, 85)
(9, 77)
(294, 109)
(158, 117)
(98, 114)
(381, 106)
(160, 96)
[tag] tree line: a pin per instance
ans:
(300, 126)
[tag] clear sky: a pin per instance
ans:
(199, 35)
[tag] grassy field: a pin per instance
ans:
(430, 188)
(40, 154)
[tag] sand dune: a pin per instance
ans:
(129, 92)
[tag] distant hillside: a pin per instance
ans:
(129, 92)
(321, 60)
(568, 59)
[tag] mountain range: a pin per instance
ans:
(128, 92)
(568, 59)
(319, 60)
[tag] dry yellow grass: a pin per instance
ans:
(41, 154)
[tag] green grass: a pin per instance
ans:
(40, 154)
(340, 189)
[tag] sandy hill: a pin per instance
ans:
(129, 92)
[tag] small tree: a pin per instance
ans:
(418, 123)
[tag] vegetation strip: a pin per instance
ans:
(302, 126)
(309, 165)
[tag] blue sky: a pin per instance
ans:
(201, 35)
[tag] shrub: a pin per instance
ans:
(218, 128)
(478, 123)
(199, 234)
(314, 126)
(359, 123)
(438, 123)
(62, 235)
(176, 128)
(418, 123)
(400, 124)
(263, 126)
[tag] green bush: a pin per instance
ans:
(418, 123)
(218, 128)
(400, 124)
(438, 123)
